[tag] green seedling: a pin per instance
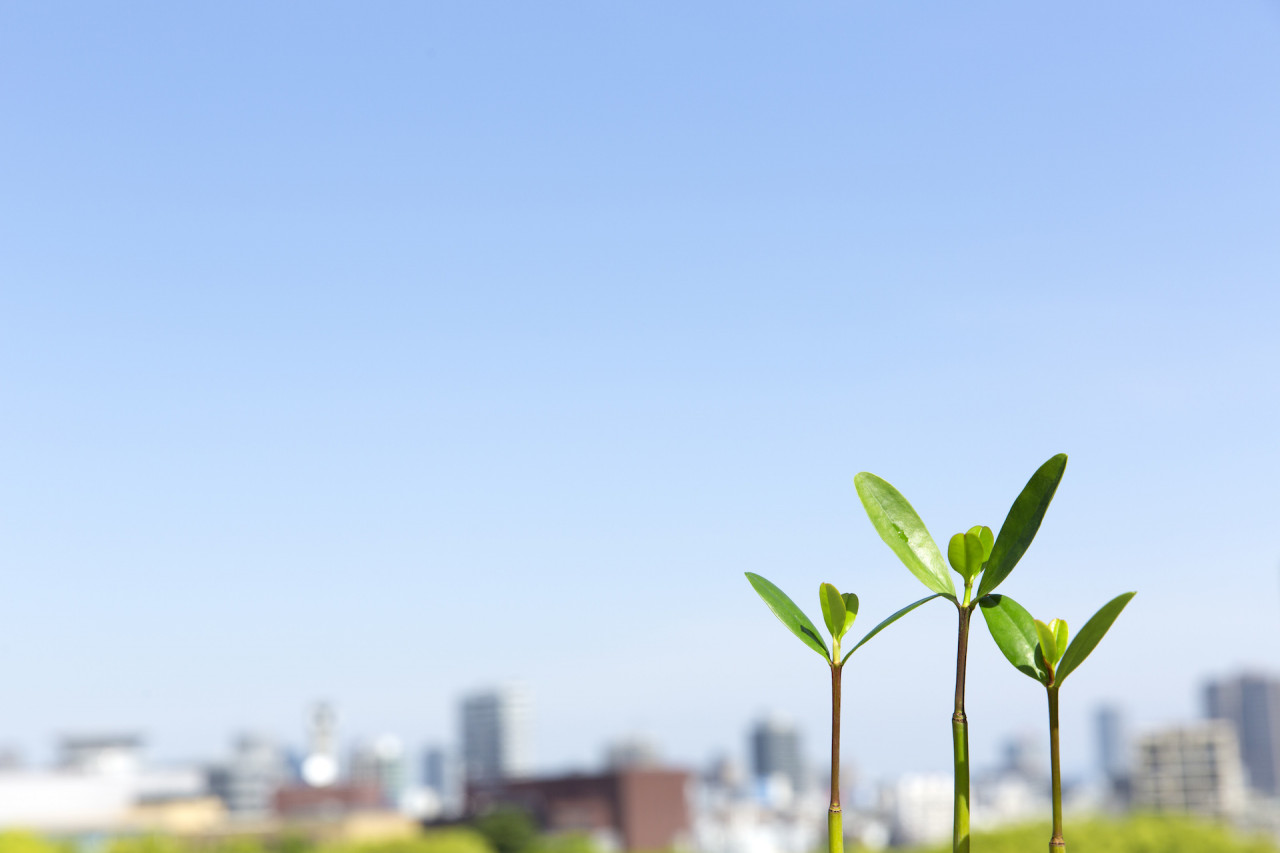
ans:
(838, 613)
(1039, 650)
(974, 554)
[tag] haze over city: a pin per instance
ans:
(375, 355)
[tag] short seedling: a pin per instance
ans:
(1039, 650)
(971, 554)
(838, 612)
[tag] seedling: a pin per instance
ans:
(1039, 650)
(838, 613)
(971, 554)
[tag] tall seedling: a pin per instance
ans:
(973, 554)
(838, 612)
(1039, 650)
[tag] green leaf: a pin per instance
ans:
(1014, 631)
(1059, 629)
(964, 553)
(832, 609)
(985, 536)
(850, 609)
(1091, 634)
(790, 615)
(1022, 522)
(903, 531)
(890, 620)
(1048, 646)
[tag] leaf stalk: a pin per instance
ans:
(960, 739)
(1056, 843)
(835, 817)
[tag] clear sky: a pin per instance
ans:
(379, 352)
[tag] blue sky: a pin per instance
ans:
(379, 354)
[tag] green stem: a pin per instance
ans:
(1056, 844)
(835, 818)
(960, 741)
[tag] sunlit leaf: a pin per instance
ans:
(850, 609)
(1059, 629)
(1022, 522)
(890, 620)
(1048, 646)
(790, 615)
(1014, 631)
(832, 609)
(1091, 634)
(985, 536)
(902, 530)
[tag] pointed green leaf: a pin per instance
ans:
(1091, 634)
(984, 535)
(832, 609)
(890, 620)
(850, 609)
(790, 615)
(903, 531)
(1022, 522)
(1014, 631)
(1059, 629)
(1048, 646)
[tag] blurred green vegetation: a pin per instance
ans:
(1140, 834)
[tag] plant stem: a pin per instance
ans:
(960, 741)
(1056, 844)
(835, 818)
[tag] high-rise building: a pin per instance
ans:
(1251, 703)
(443, 777)
(320, 767)
(1193, 768)
(775, 753)
(1113, 744)
(248, 782)
(495, 739)
(380, 765)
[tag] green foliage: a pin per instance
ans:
(889, 621)
(900, 527)
(1022, 522)
(1091, 634)
(788, 614)
(13, 841)
(1035, 647)
(508, 830)
(433, 841)
(834, 612)
(1141, 834)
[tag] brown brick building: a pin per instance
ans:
(641, 809)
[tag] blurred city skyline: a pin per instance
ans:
(374, 355)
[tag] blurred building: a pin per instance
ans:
(380, 765)
(624, 810)
(1115, 759)
(101, 755)
(248, 781)
(442, 776)
(777, 764)
(1251, 703)
(495, 737)
(633, 753)
(920, 807)
(1194, 768)
(320, 765)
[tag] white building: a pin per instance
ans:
(495, 735)
(1194, 768)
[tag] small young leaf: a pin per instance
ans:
(902, 530)
(850, 609)
(832, 609)
(986, 537)
(790, 615)
(1091, 634)
(1014, 631)
(1022, 522)
(1059, 629)
(890, 620)
(955, 553)
(973, 555)
(1048, 645)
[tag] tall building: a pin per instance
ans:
(380, 765)
(320, 767)
(495, 737)
(1193, 768)
(1113, 744)
(1251, 703)
(443, 777)
(248, 782)
(775, 753)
